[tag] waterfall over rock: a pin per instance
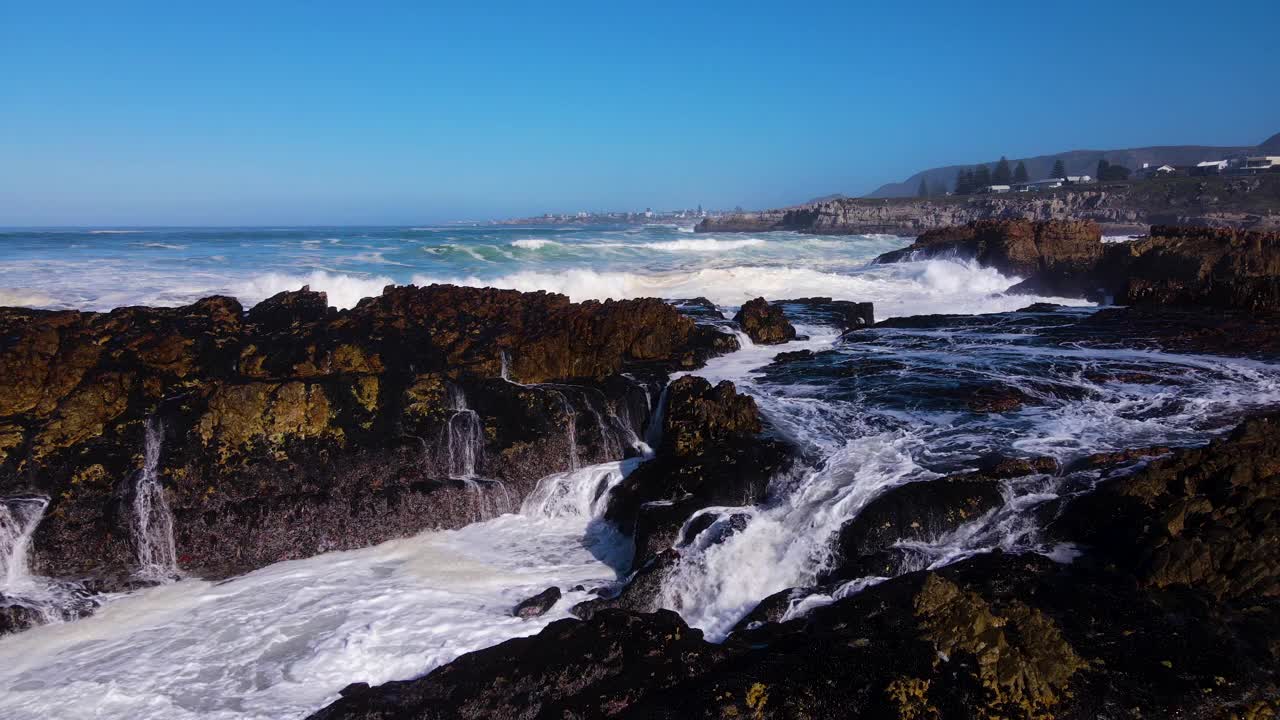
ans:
(18, 520)
(464, 437)
(152, 521)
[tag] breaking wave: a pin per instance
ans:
(934, 286)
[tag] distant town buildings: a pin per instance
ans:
(584, 217)
(1261, 164)
(1149, 171)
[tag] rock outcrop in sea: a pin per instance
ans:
(1195, 268)
(294, 429)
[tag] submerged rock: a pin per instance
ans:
(843, 314)
(538, 604)
(765, 324)
(922, 511)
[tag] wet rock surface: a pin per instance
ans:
(710, 455)
(1056, 255)
(765, 324)
(1196, 268)
(294, 429)
(1170, 612)
(922, 510)
(842, 314)
(538, 604)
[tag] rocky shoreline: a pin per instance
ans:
(294, 429)
(208, 441)
(1240, 203)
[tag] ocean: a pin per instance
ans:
(99, 269)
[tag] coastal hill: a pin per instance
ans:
(1084, 162)
(1244, 202)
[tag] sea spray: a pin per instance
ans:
(151, 524)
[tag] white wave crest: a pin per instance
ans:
(934, 286)
(704, 245)
(534, 243)
(344, 291)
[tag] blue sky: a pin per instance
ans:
(411, 112)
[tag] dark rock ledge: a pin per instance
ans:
(1171, 612)
(294, 429)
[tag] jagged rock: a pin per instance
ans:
(699, 308)
(538, 604)
(571, 669)
(1199, 267)
(922, 510)
(1139, 626)
(290, 309)
(1057, 256)
(296, 428)
(1206, 518)
(710, 455)
(997, 399)
(699, 415)
(641, 592)
(992, 636)
(843, 314)
(1174, 267)
(765, 324)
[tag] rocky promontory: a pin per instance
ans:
(1122, 208)
(1172, 267)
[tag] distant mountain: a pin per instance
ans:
(1083, 162)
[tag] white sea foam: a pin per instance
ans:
(344, 290)
(280, 642)
(934, 286)
(534, 243)
(25, 297)
(702, 245)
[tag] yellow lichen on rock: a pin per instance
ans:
(911, 698)
(426, 397)
(93, 475)
(1023, 660)
(85, 413)
(10, 438)
(365, 388)
(241, 414)
(352, 359)
(757, 697)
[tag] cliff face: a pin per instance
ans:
(295, 429)
(1252, 203)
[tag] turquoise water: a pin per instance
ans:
(99, 269)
